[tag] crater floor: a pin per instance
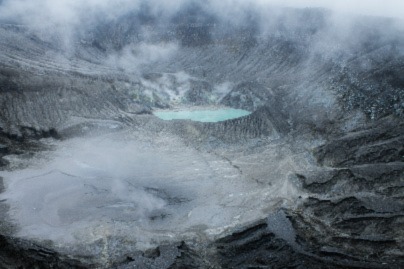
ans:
(147, 190)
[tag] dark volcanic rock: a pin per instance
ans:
(356, 206)
(4, 149)
(3, 162)
(16, 253)
(248, 95)
(380, 142)
(199, 93)
(193, 25)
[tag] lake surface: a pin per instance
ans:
(204, 115)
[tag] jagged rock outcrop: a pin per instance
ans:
(355, 205)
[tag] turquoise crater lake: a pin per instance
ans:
(202, 115)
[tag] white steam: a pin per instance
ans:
(45, 13)
(133, 56)
(386, 8)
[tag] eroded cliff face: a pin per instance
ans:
(312, 178)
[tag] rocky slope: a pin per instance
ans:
(319, 161)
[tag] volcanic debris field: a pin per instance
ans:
(308, 172)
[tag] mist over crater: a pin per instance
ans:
(191, 134)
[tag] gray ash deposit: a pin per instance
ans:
(313, 177)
